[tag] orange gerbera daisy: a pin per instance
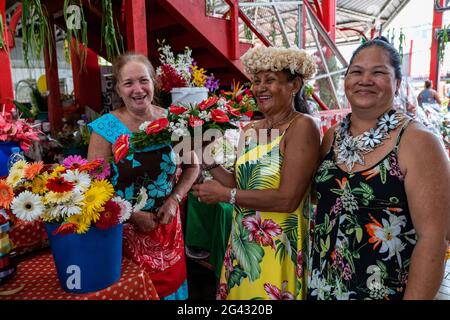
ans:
(33, 169)
(90, 165)
(6, 194)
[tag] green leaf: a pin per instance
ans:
(383, 173)
(359, 234)
(236, 277)
(338, 191)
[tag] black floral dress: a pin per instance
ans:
(363, 234)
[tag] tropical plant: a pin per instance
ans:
(79, 31)
(442, 35)
(112, 39)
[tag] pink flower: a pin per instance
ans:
(101, 172)
(222, 291)
(195, 121)
(263, 232)
(275, 293)
(73, 162)
(227, 261)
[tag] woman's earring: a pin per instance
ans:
(293, 94)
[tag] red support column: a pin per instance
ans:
(136, 26)
(51, 75)
(329, 17)
(234, 29)
(434, 63)
(86, 79)
(6, 82)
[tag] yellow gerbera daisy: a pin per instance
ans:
(57, 197)
(105, 185)
(81, 221)
(19, 165)
(38, 184)
(57, 170)
(94, 199)
(14, 177)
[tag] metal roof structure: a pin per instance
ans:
(278, 19)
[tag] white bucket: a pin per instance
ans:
(189, 95)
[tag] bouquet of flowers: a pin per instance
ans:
(241, 99)
(76, 195)
(181, 71)
(212, 113)
(17, 130)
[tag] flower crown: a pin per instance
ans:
(276, 59)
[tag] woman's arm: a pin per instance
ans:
(99, 148)
(427, 184)
(301, 157)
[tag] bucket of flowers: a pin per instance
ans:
(83, 217)
(180, 76)
(14, 133)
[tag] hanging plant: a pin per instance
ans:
(442, 35)
(76, 27)
(402, 41)
(35, 30)
(113, 45)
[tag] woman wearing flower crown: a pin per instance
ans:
(382, 189)
(278, 155)
(154, 238)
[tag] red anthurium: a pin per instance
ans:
(195, 121)
(157, 126)
(249, 114)
(66, 228)
(248, 92)
(208, 103)
(239, 98)
(220, 116)
(233, 112)
(121, 146)
(177, 110)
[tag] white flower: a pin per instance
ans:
(372, 138)
(73, 206)
(141, 199)
(143, 126)
(125, 208)
(388, 122)
(319, 286)
(81, 180)
(27, 206)
(350, 152)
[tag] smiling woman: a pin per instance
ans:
(147, 178)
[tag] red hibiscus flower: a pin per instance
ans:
(58, 184)
(208, 103)
(263, 232)
(220, 116)
(177, 110)
(121, 146)
(275, 293)
(195, 121)
(222, 292)
(110, 216)
(233, 112)
(157, 126)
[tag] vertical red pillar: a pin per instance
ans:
(234, 30)
(329, 17)
(6, 82)
(136, 26)
(51, 74)
(86, 79)
(434, 61)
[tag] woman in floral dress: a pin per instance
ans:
(147, 178)
(270, 187)
(383, 194)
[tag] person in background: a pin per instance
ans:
(383, 207)
(154, 238)
(277, 158)
(428, 95)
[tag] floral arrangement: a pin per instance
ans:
(181, 71)
(17, 130)
(75, 194)
(212, 113)
(241, 99)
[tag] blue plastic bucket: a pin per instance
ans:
(5, 152)
(87, 262)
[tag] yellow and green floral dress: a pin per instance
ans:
(264, 258)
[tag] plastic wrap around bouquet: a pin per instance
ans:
(83, 217)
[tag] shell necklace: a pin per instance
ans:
(350, 150)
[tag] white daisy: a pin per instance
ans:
(143, 126)
(388, 122)
(141, 199)
(125, 208)
(73, 206)
(81, 180)
(372, 138)
(27, 206)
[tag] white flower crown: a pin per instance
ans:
(276, 59)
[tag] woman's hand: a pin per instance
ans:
(211, 192)
(168, 211)
(144, 221)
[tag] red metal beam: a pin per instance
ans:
(318, 9)
(234, 29)
(136, 26)
(51, 75)
(6, 82)
(321, 104)
(434, 61)
(329, 17)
